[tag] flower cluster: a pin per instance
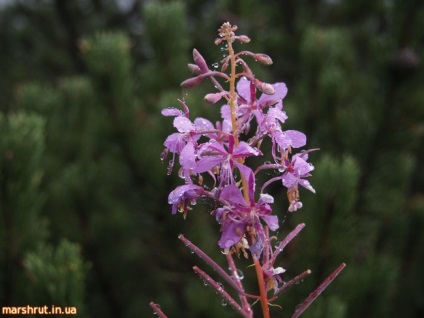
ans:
(221, 161)
(252, 112)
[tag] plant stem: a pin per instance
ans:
(312, 296)
(157, 310)
(233, 98)
(226, 297)
(233, 103)
(262, 290)
(243, 298)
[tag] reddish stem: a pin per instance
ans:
(290, 283)
(286, 241)
(318, 291)
(262, 290)
(221, 291)
(211, 263)
(157, 310)
(237, 280)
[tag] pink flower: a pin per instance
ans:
(213, 154)
(240, 219)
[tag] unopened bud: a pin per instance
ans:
(194, 68)
(200, 61)
(224, 65)
(218, 41)
(212, 98)
(262, 58)
(191, 82)
(243, 38)
(265, 87)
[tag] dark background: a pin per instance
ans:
(84, 219)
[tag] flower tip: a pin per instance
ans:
(243, 38)
(263, 58)
(191, 82)
(212, 98)
(194, 69)
(265, 87)
(200, 61)
(218, 41)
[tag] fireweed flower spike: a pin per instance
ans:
(215, 164)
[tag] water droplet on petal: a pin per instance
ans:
(224, 302)
(215, 65)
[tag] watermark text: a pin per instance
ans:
(38, 310)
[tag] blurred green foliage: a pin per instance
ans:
(84, 219)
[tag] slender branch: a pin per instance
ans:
(232, 91)
(233, 102)
(286, 241)
(211, 263)
(318, 291)
(242, 296)
(157, 310)
(221, 291)
(290, 283)
(262, 290)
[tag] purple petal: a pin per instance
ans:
(292, 138)
(174, 142)
(226, 112)
(289, 180)
(306, 185)
(187, 191)
(203, 124)
(298, 139)
(171, 111)
(271, 221)
(215, 147)
(207, 163)
(251, 184)
(245, 171)
(275, 113)
(233, 195)
(243, 89)
(279, 105)
(183, 124)
(268, 100)
(301, 166)
(282, 140)
(244, 150)
(187, 157)
(232, 233)
(227, 126)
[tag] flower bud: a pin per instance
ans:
(191, 82)
(212, 98)
(262, 58)
(224, 65)
(200, 61)
(218, 41)
(243, 38)
(265, 87)
(194, 68)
